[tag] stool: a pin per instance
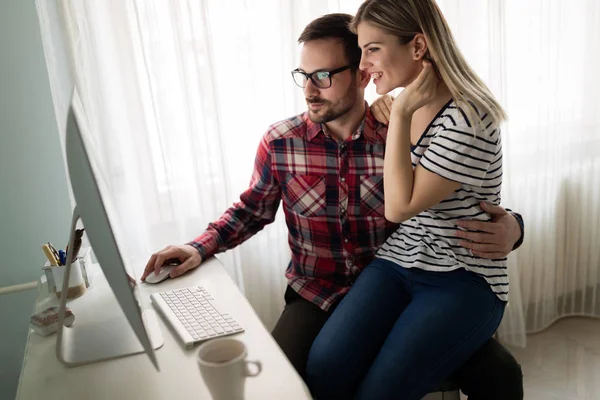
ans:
(446, 391)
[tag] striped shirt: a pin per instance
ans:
(449, 148)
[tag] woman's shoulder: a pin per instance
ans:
(469, 119)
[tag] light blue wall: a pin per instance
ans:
(34, 204)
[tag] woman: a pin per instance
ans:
(425, 304)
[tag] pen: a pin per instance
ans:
(62, 257)
(49, 255)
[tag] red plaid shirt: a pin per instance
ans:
(332, 196)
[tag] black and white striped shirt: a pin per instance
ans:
(450, 149)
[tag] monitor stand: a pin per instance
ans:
(100, 331)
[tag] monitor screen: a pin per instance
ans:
(93, 206)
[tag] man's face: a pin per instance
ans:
(328, 104)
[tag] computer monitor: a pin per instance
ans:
(134, 332)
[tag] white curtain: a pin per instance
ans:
(541, 58)
(178, 93)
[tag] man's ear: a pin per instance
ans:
(364, 78)
(419, 47)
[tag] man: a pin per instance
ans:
(326, 165)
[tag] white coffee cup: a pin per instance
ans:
(224, 368)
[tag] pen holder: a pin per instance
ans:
(85, 262)
(76, 281)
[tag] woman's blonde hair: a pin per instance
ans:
(406, 18)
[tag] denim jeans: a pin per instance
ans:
(400, 331)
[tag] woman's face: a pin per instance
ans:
(390, 64)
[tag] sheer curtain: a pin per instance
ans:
(541, 58)
(554, 150)
(178, 94)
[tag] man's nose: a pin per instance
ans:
(310, 90)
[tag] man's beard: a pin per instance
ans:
(329, 111)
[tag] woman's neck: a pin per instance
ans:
(424, 115)
(442, 97)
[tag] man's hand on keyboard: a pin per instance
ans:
(187, 255)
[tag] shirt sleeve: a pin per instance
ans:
(257, 207)
(459, 154)
(521, 223)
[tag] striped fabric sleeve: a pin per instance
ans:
(455, 153)
(521, 223)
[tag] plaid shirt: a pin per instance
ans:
(332, 196)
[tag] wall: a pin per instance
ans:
(34, 203)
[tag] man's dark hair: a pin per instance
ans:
(334, 26)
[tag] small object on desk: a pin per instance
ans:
(85, 262)
(163, 274)
(165, 271)
(54, 252)
(76, 283)
(224, 367)
(50, 255)
(76, 243)
(85, 259)
(47, 268)
(46, 322)
(63, 257)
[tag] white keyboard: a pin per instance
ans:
(194, 315)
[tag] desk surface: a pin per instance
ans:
(134, 377)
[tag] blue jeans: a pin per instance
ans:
(400, 332)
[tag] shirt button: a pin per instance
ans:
(346, 240)
(343, 179)
(349, 263)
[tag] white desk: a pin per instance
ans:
(134, 377)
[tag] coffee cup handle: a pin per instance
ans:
(258, 368)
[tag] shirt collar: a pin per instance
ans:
(368, 127)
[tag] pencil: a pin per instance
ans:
(49, 255)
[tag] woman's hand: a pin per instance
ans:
(419, 93)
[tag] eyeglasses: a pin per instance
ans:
(321, 79)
